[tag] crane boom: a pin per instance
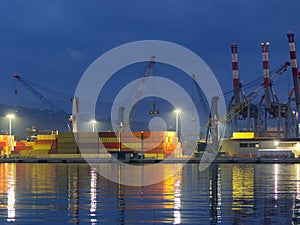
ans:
(252, 96)
(139, 93)
(36, 93)
(47, 102)
(202, 100)
(240, 106)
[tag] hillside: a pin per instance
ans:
(45, 120)
(27, 117)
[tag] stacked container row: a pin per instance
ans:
(6, 144)
(66, 143)
(157, 142)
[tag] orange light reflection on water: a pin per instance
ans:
(177, 203)
(8, 186)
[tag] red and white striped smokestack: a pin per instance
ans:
(266, 71)
(292, 48)
(235, 73)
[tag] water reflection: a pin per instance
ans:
(11, 200)
(215, 194)
(8, 191)
(243, 189)
(72, 174)
(266, 192)
(76, 194)
(148, 203)
(275, 183)
(177, 202)
(298, 181)
(93, 207)
(296, 200)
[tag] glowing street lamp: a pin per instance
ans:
(177, 111)
(10, 117)
(94, 124)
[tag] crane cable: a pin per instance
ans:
(55, 93)
(252, 83)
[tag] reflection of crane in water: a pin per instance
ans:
(73, 192)
(121, 203)
(214, 196)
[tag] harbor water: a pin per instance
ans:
(50, 193)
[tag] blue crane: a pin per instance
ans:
(46, 101)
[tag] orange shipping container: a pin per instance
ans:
(20, 144)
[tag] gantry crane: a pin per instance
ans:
(212, 125)
(238, 108)
(46, 101)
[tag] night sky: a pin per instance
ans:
(52, 43)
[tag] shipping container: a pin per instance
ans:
(46, 137)
(42, 147)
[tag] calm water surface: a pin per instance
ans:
(223, 194)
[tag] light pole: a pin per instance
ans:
(10, 117)
(177, 111)
(94, 124)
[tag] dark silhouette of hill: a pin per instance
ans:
(27, 117)
(46, 120)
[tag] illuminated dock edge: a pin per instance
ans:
(148, 161)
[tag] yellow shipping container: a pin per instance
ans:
(243, 135)
(154, 155)
(24, 153)
(131, 145)
(110, 149)
(109, 140)
(39, 151)
(6, 137)
(41, 147)
(42, 137)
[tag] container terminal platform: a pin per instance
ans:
(148, 161)
(106, 147)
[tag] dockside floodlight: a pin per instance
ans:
(93, 125)
(10, 117)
